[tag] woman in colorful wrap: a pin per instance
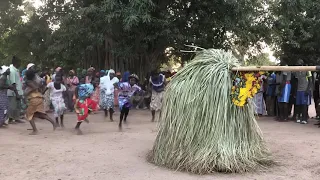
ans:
(4, 86)
(90, 75)
(84, 104)
(96, 92)
(47, 79)
(72, 82)
(56, 97)
(260, 105)
(35, 99)
(157, 81)
(116, 90)
(107, 86)
(126, 91)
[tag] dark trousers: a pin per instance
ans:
(70, 102)
(270, 105)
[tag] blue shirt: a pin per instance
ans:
(271, 89)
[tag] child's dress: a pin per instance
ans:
(126, 91)
(96, 95)
(56, 97)
(84, 103)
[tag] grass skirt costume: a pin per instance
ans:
(84, 104)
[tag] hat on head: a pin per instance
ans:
(134, 76)
(29, 66)
(58, 69)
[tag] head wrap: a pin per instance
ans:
(23, 72)
(58, 69)
(111, 71)
(85, 90)
(91, 69)
(29, 66)
(134, 76)
(125, 77)
(102, 71)
(3, 69)
(84, 72)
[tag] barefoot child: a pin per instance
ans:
(56, 97)
(84, 104)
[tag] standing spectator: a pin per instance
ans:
(316, 92)
(271, 94)
(15, 96)
(72, 83)
(303, 97)
(4, 86)
(90, 75)
(284, 95)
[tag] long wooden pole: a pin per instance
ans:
(276, 68)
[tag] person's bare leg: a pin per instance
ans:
(121, 118)
(111, 114)
(34, 128)
(105, 114)
(57, 122)
(61, 121)
(126, 113)
(46, 117)
(153, 113)
(77, 128)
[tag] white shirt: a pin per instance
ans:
(56, 93)
(107, 84)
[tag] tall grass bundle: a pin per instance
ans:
(201, 130)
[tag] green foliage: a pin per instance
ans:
(260, 60)
(297, 34)
(127, 34)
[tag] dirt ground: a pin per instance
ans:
(105, 153)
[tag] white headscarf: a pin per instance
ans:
(107, 84)
(29, 66)
(111, 71)
(3, 69)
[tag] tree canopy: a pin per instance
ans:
(134, 34)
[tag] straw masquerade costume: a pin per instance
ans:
(201, 129)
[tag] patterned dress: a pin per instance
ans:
(107, 92)
(4, 102)
(157, 92)
(125, 94)
(259, 100)
(57, 100)
(84, 104)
